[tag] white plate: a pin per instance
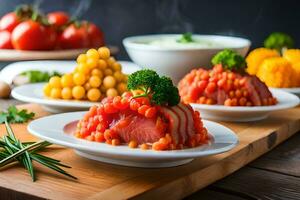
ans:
(17, 55)
(51, 128)
(295, 90)
(9, 72)
(33, 93)
(245, 114)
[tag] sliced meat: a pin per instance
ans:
(253, 94)
(138, 128)
(221, 96)
(182, 129)
(174, 122)
(190, 128)
(261, 88)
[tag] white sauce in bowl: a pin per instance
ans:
(173, 42)
(170, 41)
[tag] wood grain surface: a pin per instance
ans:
(17, 55)
(103, 181)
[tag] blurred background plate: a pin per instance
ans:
(295, 91)
(15, 55)
(9, 72)
(244, 113)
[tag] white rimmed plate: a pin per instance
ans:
(9, 72)
(51, 128)
(295, 90)
(245, 114)
(17, 55)
(33, 93)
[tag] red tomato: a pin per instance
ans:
(87, 35)
(74, 38)
(5, 40)
(58, 18)
(95, 35)
(9, 21)
(31, 35)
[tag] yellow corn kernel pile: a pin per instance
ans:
(96, 76)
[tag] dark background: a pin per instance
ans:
(252, 19)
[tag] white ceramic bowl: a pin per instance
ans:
(176, 61)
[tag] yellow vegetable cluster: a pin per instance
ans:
(273, 69)
(96, 76)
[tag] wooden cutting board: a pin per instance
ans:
(104, 181)
(16, 55)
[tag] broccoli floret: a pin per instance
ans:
(160, 90)
(165, 93)
(279, 41)
(186, 38)
(230, 60)
(143, 80)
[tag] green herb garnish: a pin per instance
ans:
(186, 38)
(160, 90)
(13, 150)
(13, 115)
(230, 60)
(279, 41)
(35, 76)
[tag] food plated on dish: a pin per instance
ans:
(153, 115)
(97, 75)
(228, 88)
(225, 84)
(150, 116)
(11, 71)
(168, 53)
(51, 128)
(277, 63)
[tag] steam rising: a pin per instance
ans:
(77, 8)
(168, 12)
(80, 8)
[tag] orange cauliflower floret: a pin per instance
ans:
(292, 55)
(257, 56)
(277, 72)
(296, 67)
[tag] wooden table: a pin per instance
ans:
(276, 175)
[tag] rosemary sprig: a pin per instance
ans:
(13, 150)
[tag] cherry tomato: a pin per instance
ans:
(9, 21)
(83, 35)
(74, 38)
(31, 35)
(95, 35)
(58, 18)
(211, 87)
(5, 40)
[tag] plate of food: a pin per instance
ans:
(96, 75)
(226, 92)
(24, 72)
(28, 34)
(277, 63)
(146, 127)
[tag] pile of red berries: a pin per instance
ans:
(95, 124)
(201, 86)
